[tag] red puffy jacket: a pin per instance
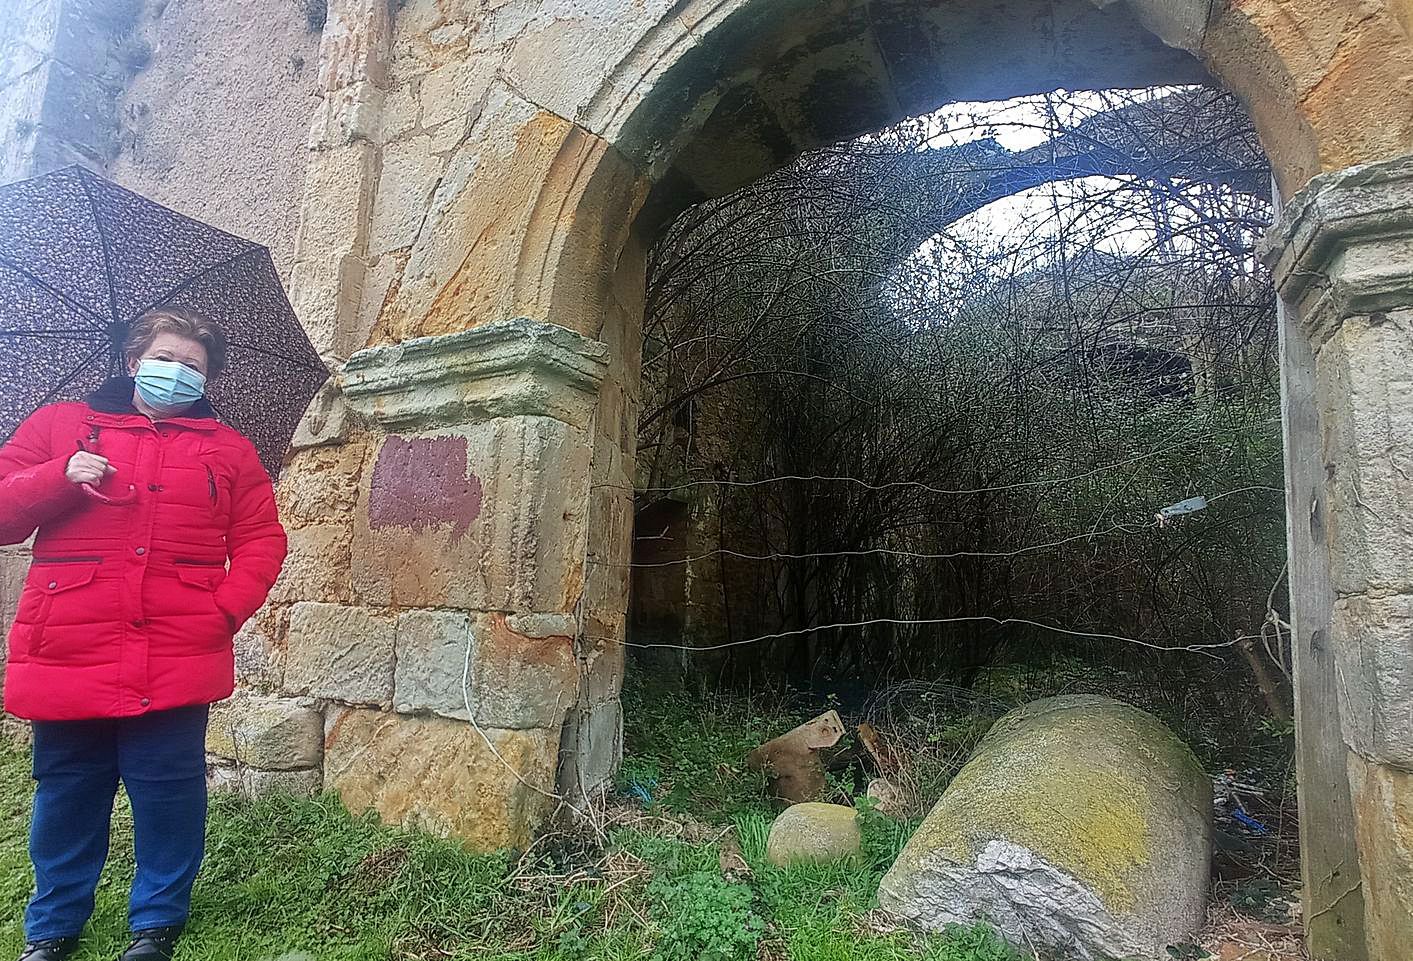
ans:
(130, 608)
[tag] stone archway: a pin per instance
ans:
(480, 189)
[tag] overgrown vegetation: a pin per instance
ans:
(303, 879)
(910, 437)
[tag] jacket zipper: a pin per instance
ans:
(195, 563)
(68, 560)
(210, 483)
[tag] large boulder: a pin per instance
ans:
(1080, 822)
(813, 832)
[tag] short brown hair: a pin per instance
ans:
(184, 323)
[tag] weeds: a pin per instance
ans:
(284, 876)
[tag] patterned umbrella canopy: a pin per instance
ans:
(81, 259)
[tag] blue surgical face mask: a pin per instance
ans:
(169, 386)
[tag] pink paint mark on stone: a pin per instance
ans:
(423, 483)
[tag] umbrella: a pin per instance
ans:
(82, 258)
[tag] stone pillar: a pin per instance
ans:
(63, 66)
(1343, 260)
(450, 671)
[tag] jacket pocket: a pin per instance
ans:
(47, 579)
(205, 575)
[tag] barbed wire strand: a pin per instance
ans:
(925, 622)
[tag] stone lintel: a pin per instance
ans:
(512, 367)
(1344, 245)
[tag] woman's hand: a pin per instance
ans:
(86, 468)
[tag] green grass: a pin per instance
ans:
(303, 878)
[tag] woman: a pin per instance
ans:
(123, 632)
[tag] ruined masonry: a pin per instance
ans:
(459, 194)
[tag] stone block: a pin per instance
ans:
(1373, 648)
(409, 173)
(258, 664)
(442, 775)
(247, 782)
(340, 653)
(455, 93)
(321, 483)
(355, 43)
(603, 663)
(488, 517)
(401, 108)
(518, 672)
(1383, 820)
(326, 420)
(591, 748)
(270, 733)
(433, 651)
(594, 38)
(461, 269)
(346, 115)
(326, 279)
(318, 565)
(14, 565)
(222, 777)
(306, 783)
(1366, 415)
(523, 671)
(513, 367)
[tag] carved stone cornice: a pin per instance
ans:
(508, 368)
(1344, 245)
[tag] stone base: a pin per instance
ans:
(1383, 816)
(223, 777)
(442, 775)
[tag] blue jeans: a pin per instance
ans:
(161, 759)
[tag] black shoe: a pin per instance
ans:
(54, 949)
(155, 944)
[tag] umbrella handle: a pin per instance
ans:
(111, 500)
(115, 500)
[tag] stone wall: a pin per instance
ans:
(215, 122)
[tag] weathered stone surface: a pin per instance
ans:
(523, 673)
(266, 732)
(487, 517)
(813, 832)
(440, 775)
(592, 747)
(14, 564)
(482, 204)
(327, 276)
(516, 672)
(1080, 822)
(1373, 645)
(1383, 815)
(1365, 421)
(258, 665)
(306, 783)
(456, 92)
(409, 173)
(319, 565)
(216, 123)
(434, 653)
(320, 485)
(326, 420)
(341, 653)
(226, 778)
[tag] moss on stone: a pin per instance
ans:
(1059, 777)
